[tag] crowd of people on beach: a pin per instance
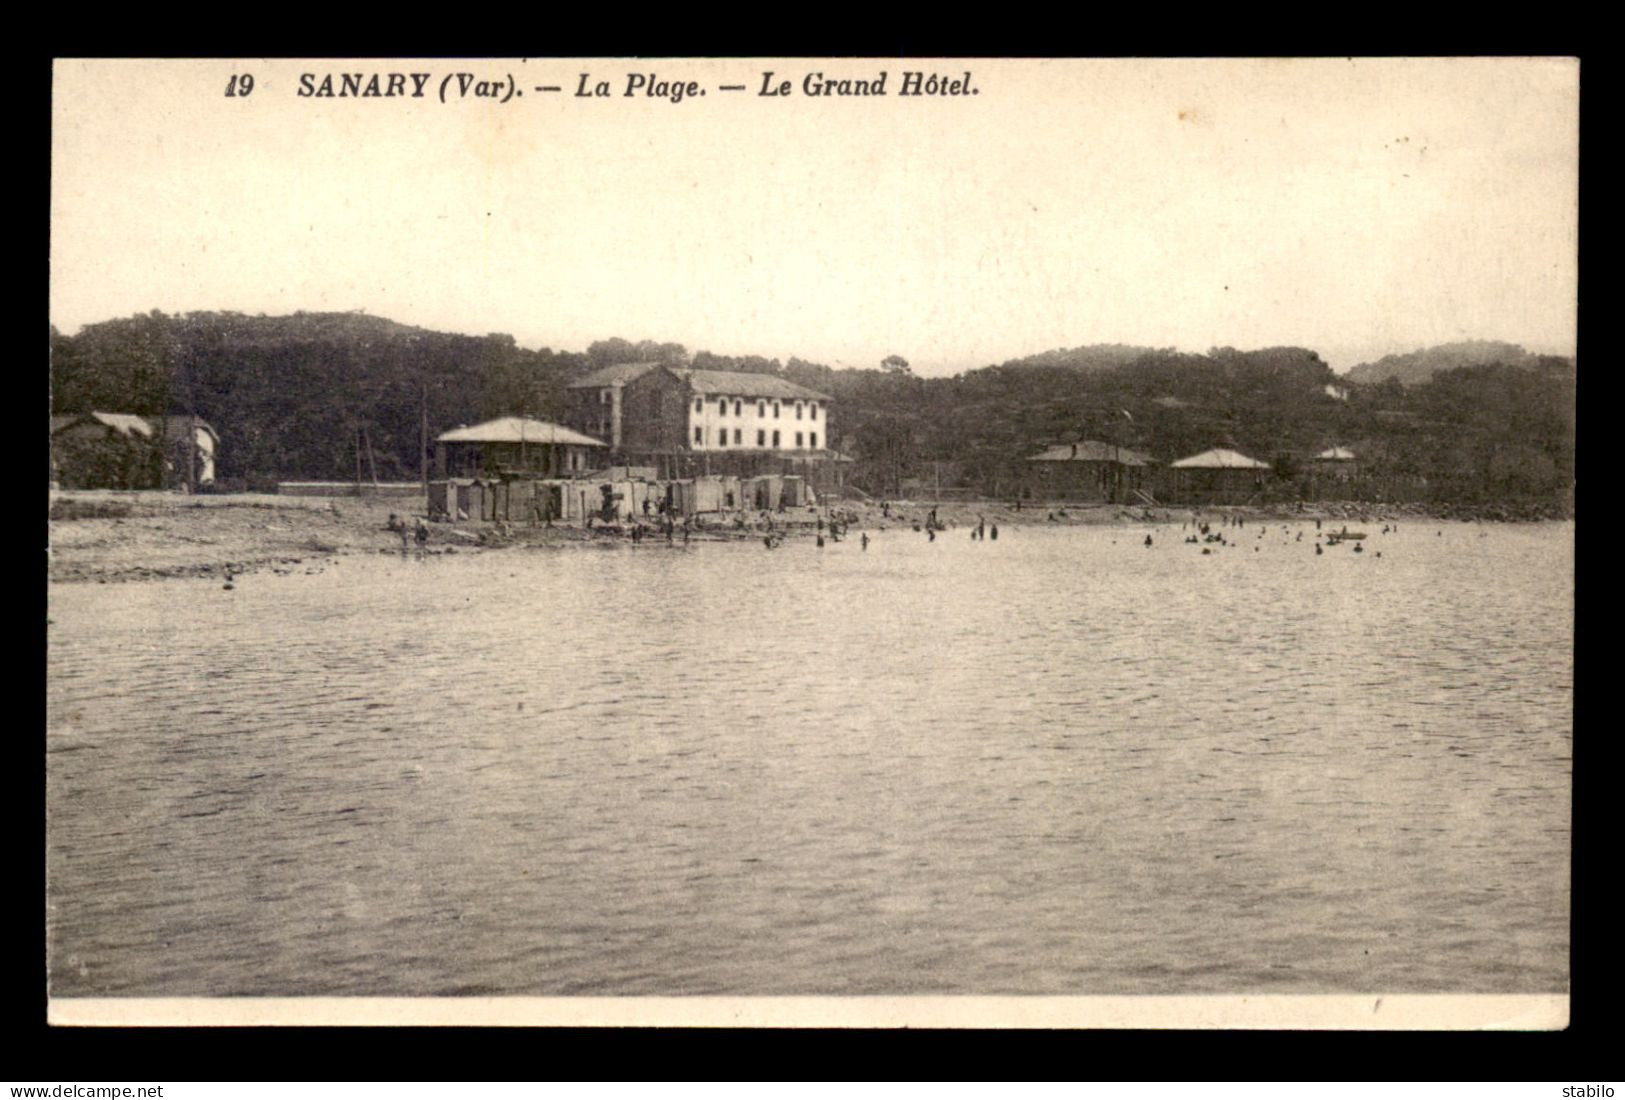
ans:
(833, 525)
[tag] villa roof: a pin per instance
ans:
(1091, 451)
(130, 425)
(517, 429)
(1220, 459)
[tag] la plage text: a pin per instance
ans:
(774, 86)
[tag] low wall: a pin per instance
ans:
(348, 489)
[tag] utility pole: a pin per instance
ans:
(524, 413)
(423, 442)
(191, 449)
(191, 428)
(162, 449)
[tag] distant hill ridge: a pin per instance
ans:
(1417, 367)
(1087, 357)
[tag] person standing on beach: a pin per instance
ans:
(865, 540)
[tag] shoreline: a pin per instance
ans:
(106, 536)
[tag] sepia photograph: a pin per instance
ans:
(812, 542)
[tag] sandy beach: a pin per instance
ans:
(108, 537)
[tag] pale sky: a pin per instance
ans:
(1354, 207)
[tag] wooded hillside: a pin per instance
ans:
(289, 396)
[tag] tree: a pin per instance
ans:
(895, 364)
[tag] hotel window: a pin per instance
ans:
(798, 439)
(722, 408)
(761, 408)
(814, 408)
(775, 439)
(699, 435)
(736, 437)
(699, 404)
(775, 410)
(813, 441)
(737, 407)
(761, 437)
(798, 410)
(722, 437)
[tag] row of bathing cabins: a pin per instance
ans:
(644, 439)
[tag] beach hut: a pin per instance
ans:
(580, 500)
(732, 497)
(514, 501)
(456, 498)
(708, 494)
(551, 499)
(763, 494)
(796, 494)
(1218, 477)
(1087, 471)
(515, 446)
(441, 499)
(643, 498)
(676, 503)
(1337, 462)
